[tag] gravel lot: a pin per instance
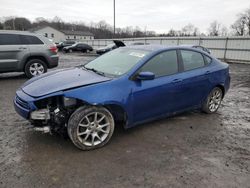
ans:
(190, 150)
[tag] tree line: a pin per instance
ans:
(101, 29)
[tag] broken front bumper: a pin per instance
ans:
(23, 104)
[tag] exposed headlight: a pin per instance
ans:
(42, 114)
(67, 102)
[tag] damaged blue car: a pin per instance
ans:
(127, 86)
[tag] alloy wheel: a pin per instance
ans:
(93, 129)
(36, 69)
(215, 100)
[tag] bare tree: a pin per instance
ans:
(224, 31)
(172, 33)
(22, 24)
(239, 26)
(214, 29)
(246, 18)
(189, 30)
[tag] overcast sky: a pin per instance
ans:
(158, 15)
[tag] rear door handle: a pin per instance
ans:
(22, 48)
(177, 80)
(207, 72)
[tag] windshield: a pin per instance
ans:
(117, 62)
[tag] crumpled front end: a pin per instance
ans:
(48, 114)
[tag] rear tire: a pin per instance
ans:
(213, 101)
(35, 67)
(90, 127)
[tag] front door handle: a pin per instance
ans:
(177, 80)
(207, 72)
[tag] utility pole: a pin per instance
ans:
(114, 17)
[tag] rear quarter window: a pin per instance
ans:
(9, 39)
(192, 60)
(30, 40)
(208, 60)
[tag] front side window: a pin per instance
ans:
(117, 62)
(9, 39)
(163, 64)
(192, 60)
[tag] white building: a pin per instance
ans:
(62, 35)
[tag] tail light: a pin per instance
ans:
(53, 49)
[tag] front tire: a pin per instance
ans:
(213, 101)
(35, 67)
(90, 127)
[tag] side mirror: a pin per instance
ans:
(146, 76)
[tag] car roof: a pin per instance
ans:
(191, 45)
(17, 32)
(153, 47)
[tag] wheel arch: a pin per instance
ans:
(222, 89)
(117, 110)
(42, 58)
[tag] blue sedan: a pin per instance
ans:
(127, 86)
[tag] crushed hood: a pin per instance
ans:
(61, 80)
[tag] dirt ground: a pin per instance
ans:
(190, 150)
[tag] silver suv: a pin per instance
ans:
(26, 52)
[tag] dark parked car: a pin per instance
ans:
(26, 52)
(63, 44)
(78, 47)
(130, 85)
(116, 44)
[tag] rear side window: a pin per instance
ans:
(192, 60)
(28, 39)
(162, 64)
(9, 39)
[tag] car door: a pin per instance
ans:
(152, 98)
(11, 51)
(195, 82)
(79, 47)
